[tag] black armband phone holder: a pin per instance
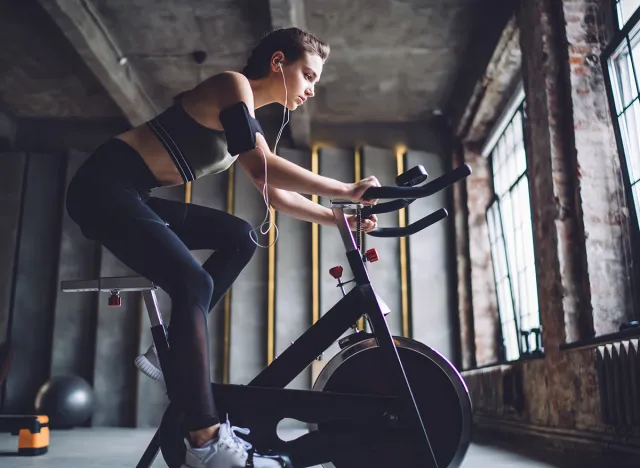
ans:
(240, 128)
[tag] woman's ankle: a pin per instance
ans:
(202, 436)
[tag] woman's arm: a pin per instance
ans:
(288, 176)
(261, 165)
(300, 207)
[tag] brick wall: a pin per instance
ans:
(463, 269)
(487, 333)
(580, 224)
(600, 188)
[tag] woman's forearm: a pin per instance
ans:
(300, 207)
(288, 176)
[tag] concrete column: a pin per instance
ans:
(293, 277)
(486, 323)
(431, 296)
(74, 327)
(11, 195)
(463, 268)
(385, 274)
(600, 188)
(558, 231)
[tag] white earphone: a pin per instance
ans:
(265, 194)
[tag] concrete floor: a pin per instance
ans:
(120, 448)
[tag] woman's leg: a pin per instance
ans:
(202, 227)
(120, 220)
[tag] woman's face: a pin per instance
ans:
(300, 77)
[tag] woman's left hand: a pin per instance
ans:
(367, 225)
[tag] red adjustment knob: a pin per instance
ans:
(372, 255)
(115, 300)
(336, 272)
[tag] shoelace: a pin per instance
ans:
(236, 442)
(241, 443)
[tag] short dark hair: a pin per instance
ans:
(292, 42)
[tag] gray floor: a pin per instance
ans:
(115, 448)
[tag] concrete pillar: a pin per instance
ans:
(601, 193)
(463, 269)
(558, 231)
(486, 323)
(430, 259)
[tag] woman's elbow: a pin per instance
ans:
(277, 199)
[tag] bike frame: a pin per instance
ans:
(264, 402)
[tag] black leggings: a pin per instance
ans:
(109, 198)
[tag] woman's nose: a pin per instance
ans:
(310, 92)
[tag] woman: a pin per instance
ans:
(211, 127)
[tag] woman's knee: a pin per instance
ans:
(193, 286)
(246, 238)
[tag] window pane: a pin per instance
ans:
(636, 198)
(512, 237)
(629, 131)
(491, 229)
(626, 9)
(625, 79)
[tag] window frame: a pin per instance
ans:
(516, 105)
(621, 36)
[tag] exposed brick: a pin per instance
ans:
(488, 336)
(563, 288)
(600, 192)
(579, 221)
(463, 263)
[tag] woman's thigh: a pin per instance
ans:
(121, 221)
(201, 227)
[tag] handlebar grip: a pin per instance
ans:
(430, 188)
(387, 207)
(411, 228)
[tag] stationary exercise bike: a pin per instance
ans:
(382, 401)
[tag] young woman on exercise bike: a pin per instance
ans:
(204, 132)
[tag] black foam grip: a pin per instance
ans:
(240, 128)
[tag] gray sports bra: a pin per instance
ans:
(195, 149)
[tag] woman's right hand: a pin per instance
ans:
(357, 190)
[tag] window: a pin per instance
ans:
(625, 9)
(622, 61)
(621, 66)
(511, 239)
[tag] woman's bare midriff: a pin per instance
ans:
(153, 153)
(200, 105)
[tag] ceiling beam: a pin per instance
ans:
(81, 24)
(286, 14)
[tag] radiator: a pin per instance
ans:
(618, 378)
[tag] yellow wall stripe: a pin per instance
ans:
(315, 254)
(401, 150)
(271, 293)
(227, 297)
(187, 192)
(357, 169)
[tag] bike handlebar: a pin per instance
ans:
(430, 188)
(411, 228)
(406, 196)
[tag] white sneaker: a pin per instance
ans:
(228, 450)
(149, 365)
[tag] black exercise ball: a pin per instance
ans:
(68, 400)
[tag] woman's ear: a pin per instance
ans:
(277, 61)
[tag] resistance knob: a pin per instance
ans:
(371, 255)
(115, 300)
(336, 272)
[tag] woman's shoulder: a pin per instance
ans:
(229, 81)
(228, 88)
